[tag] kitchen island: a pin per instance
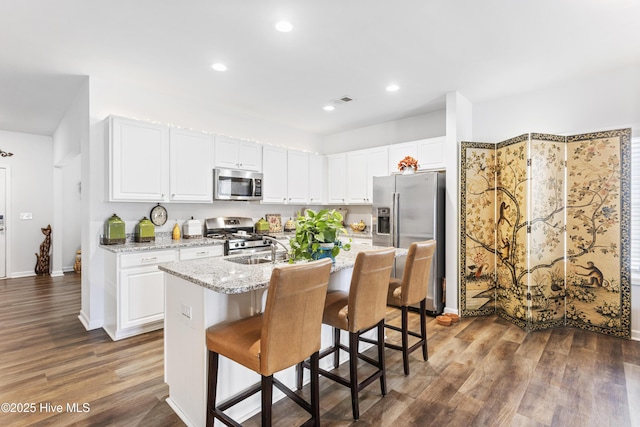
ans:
(202, 293)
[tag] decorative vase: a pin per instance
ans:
(324, 251)
(408, 170)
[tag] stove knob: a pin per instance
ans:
(236, 245)
(265, 242)
(242, 244)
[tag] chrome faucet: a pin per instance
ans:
(275, 242)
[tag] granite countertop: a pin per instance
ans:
(366, 234)
(221, 275)
(161, 243)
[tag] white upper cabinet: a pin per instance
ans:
(138, 160)
(191, 166)
(336, 178)
(362, 166)
(274, 170)
(286, 176)
(298, 177)
(429, 153)
(233, 153)
(317, 179)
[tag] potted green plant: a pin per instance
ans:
(317, 235)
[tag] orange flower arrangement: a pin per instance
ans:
(408, 162)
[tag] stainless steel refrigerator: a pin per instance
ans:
(407, 209)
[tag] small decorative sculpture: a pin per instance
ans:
(77, 266)
(42, 263)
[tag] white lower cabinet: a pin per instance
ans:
(134, 288)
(201, 252)
(141, 297)
(134, 292)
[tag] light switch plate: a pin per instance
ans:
(26, 215)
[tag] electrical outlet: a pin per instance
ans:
(186, 311)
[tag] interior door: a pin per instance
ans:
(3, 221)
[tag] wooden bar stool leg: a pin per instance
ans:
(336, 347)
(267, 391)
(383, 377)
(353, 373)
(405, 338)
(299, 375)
(212, 385)
(315, 388)
(423, 328)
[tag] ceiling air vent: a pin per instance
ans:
(342, 100)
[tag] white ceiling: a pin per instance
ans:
(485, 49)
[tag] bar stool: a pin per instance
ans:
(409, 290)
(361, 309)
(286, 333)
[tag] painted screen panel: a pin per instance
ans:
(546, 240)
(511, 230)
(477, 228)
(598, 232)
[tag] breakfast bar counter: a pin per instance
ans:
(234, 275)
(201, 293)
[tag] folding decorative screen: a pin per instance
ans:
(545, 231)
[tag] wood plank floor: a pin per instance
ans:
(481, 372)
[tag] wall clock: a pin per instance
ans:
(158, 215)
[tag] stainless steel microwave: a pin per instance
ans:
(231, 184)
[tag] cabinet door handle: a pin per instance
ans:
(150, 259)
(204, 253)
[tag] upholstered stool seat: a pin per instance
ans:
(287, 333)
(357, 311)
(410, 290)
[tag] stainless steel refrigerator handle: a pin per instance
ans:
(395, 236)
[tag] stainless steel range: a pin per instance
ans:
(238, 235)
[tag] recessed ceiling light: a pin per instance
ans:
(328, 108)
(219, 67)
(284, 26)
(392, 88)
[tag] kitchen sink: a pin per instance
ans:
(257, 259)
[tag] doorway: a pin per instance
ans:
(4, 189)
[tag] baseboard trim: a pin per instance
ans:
(89, 325)
(20, 274)
(635, 335)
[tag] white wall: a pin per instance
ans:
(112, 98)
(71, 212)
(31, 192)
(604, 101)
(67, 141)
(459, 128)
(422, 126)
